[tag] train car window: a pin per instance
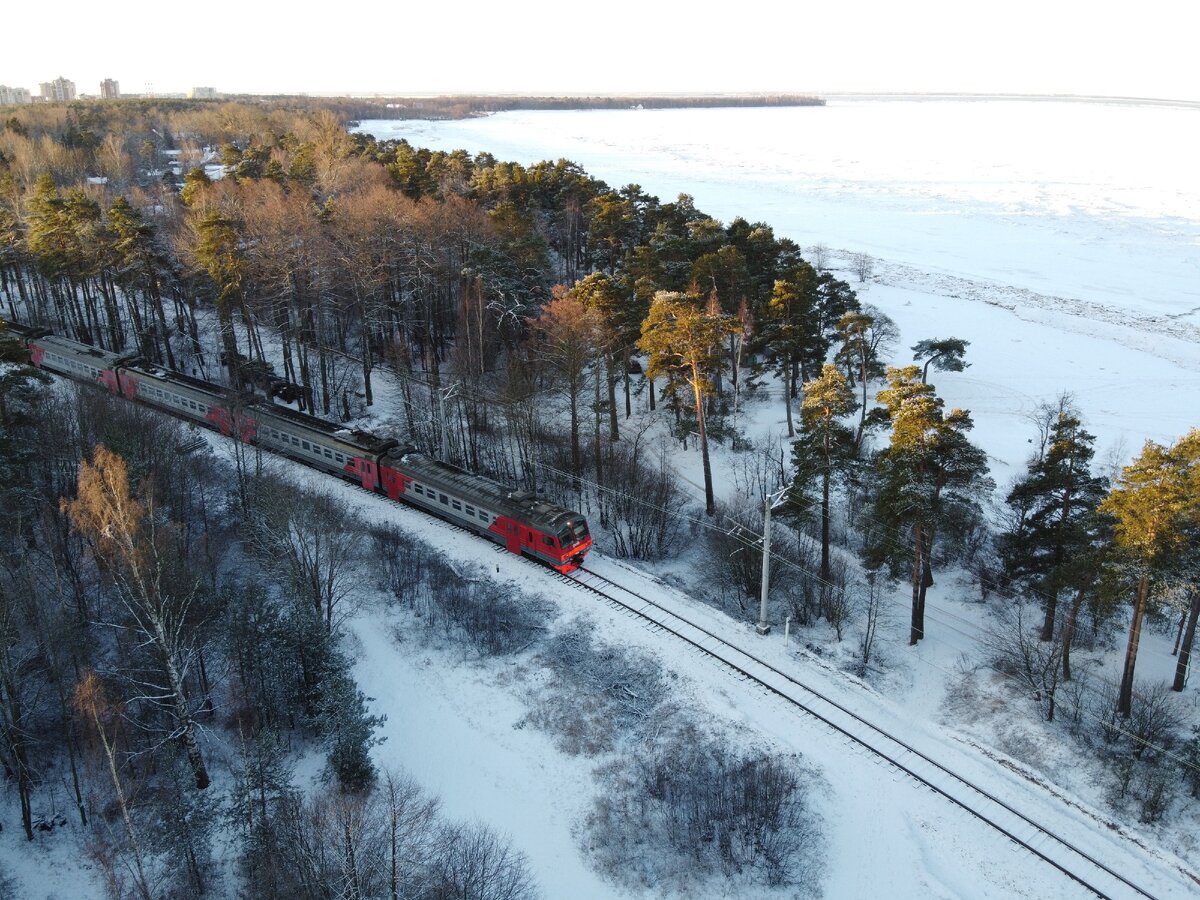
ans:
(470, 510)
(295, 441)
(328, 453)
(547, 540)
(417, 489)
(485, 517)
(445, 500)
(457, 505)
(339, 457)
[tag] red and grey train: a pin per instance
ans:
(513, 518)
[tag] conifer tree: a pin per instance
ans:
(1054, 507)
(825, 449)
(944, 355)
(347, 728)
(1155, 500)
(789, 332)
(616, 330)
(929, 464)
(864, 336)
(684, 341)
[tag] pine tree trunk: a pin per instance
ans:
(613, 433)
(1051, 611)
(918, 619)
(576, 453)
(1125, 699)
(625, 377)
(787, 396)
(597, 417)
(1185, 649)
(1068, 633)
(826, 570)
(710, 504)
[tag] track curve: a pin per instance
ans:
(1072, 861)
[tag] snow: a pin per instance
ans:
(452, 722)
(1066, 253)
(1066, 259)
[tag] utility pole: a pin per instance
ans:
(444, 395)
(772, 499)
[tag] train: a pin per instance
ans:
(518, 520)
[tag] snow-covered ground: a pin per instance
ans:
(1067, 259)
(1046, 234)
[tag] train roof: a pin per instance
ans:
(169, 375)
(364, 440)
(480, 489)
(64, 345)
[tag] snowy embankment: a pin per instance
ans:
(455, 722)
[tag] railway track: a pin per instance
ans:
(1075, 863)
(1072, 861)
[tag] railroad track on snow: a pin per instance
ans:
(1072, 861)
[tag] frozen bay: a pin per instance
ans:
(1092, 201)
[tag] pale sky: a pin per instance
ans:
(1143, 49)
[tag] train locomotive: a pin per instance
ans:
(517, 520)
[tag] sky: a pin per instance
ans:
(618, 47)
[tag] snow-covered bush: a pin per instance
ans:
(690, 809)
(600, 692)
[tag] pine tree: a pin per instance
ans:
(944, 355)
(616, 331)
(825, 449)
(928, 465)
(220, 254)
(789, 333)
(1054, 510)
(684, 342)
(347, 728)
(1154, 501)
(864, 336)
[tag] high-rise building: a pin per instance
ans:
(11, 96)
(203, 93)
(110, 89)
(59, 90)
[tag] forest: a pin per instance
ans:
(512, 319)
